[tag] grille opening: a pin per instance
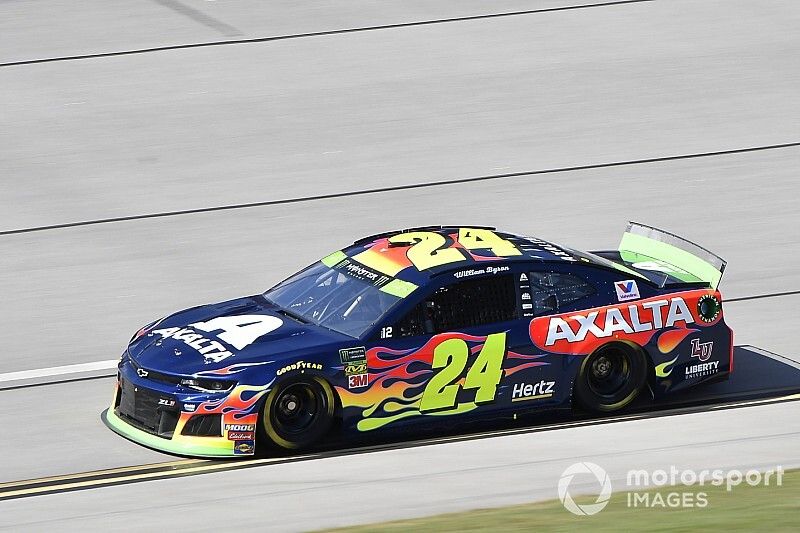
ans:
(203, 426)
(147, 410)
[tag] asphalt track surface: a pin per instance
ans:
(679, 114)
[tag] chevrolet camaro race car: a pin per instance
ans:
(411, 327)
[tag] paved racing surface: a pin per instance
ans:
(566, 122)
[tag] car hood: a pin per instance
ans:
(243, 332)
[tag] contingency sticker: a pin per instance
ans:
(626, 290)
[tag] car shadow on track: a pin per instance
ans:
(758, 375)
(759, 378)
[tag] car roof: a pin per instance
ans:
(391, 258)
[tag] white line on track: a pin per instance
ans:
(110, 364)
(59, 370)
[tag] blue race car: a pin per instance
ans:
(403, 328)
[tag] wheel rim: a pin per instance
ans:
(609, 371)
(296, 409)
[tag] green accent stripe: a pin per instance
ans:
(399, 288)
(183, 448)
(334, 259)
(629, 271)
(672, 255)
(661, 370)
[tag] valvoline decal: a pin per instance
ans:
(581, 332)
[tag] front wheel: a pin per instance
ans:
(611, 378)
(297, 413)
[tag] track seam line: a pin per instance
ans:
(395, 188)
(762, 296)
(319, 33)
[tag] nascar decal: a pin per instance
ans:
(450, 374)
(582, 332)
(237, 331)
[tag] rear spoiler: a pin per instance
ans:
(647, 248)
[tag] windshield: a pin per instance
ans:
(334, 299)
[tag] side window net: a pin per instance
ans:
(462, 305)
(552, 290)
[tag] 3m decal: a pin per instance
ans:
(357, 381)
(626, 290)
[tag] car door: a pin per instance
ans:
(454, 353)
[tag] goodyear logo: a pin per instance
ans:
(300, 365)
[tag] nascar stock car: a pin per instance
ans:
(406, 328)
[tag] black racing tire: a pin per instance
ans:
(611, 377)
(297, 413)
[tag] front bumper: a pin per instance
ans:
(165, 417)
(194, 446)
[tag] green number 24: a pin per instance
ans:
(484, 374)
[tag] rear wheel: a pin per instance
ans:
(298, 413)
(611, 377)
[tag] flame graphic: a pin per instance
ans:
(233, 369)
(241, 401)
(670, 339)
(397, 380)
